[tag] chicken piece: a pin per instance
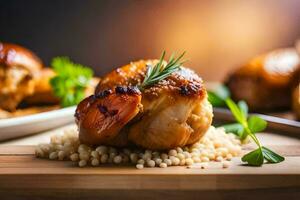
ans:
(296, 90)
(173, 112)
(296, 93)
(101, 117)
(18, 66)
(43, 93)
(265, 83)
(296, 101)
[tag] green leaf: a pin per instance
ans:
(218, 96)
(222, 91)
(256, 124)
(253, 125)
(244, 108)
(254, 158)
(58, 64)
(67, 100)
(215, 100)
(70, 81)
(235, 128)
(237, 113)
(271, 156)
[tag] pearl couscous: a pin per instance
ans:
(216, 145)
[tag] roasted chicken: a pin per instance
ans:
(18, 67)
(296, 101)
(25, 83)
(43, 93)
(266, 82)
(173, 112)
(296, 90)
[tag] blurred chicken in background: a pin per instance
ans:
(267, 81)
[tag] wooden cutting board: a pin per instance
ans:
(24, 176)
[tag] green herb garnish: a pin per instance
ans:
(161, 71)
(235, 128)
(218, 95)
(70, 81)
(247, 126)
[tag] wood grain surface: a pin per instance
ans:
(22, 176)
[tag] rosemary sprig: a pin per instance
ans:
(161, 71)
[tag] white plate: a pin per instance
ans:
(30, 124)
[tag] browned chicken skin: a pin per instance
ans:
(296, 101)
(101, 117)
(174, 112)
(18, 66)
(266, 82)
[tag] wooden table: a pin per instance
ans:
(22, 176)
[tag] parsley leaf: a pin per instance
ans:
(235, 128)
(251, 126)
(215, 100)
(246, 126)
(237, 113)
(271, 156)
(218, 96)
(70, 81)
(258, 156)
(243, 107)
(256, 124)
(254, 158)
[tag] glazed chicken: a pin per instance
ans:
(173, 112)
(18, 67)
(266, 82)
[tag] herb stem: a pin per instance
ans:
(253, 136)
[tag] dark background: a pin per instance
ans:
(217, 35)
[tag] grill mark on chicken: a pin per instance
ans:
(104, 110)
(127, 90)
(103, 94)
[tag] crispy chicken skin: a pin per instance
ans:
(265, 82)
(18, 66)
(174, 112)
(101, 118)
